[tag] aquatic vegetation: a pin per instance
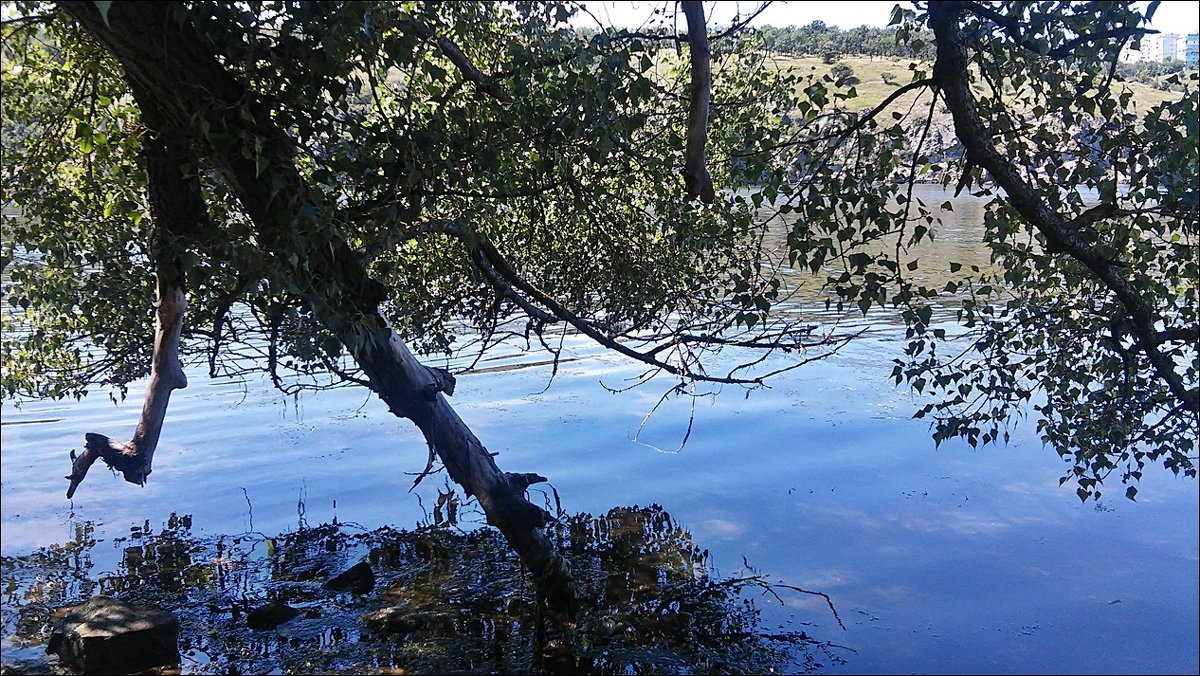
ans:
(446, 600)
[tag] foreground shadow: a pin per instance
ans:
(444, 600)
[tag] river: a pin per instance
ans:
(947, 559)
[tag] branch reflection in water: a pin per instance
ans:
(446, 600)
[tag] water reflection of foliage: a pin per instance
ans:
(658, 608)
(651, 601)
(36, 584)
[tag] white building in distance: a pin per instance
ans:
(1159, 48)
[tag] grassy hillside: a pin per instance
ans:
(870, 73)
(872, 88)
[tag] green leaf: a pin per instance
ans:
(84, 136)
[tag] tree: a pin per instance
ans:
(832, 42)
(1089, 310)
(843, 74)
(320, 184)
(314, 184)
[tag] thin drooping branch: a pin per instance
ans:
(696, 178)
(501, 274)
(953, 80)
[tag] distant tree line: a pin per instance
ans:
(832, 42)
(829, 42)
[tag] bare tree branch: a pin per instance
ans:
(501, 274)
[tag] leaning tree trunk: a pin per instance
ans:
(167, 63)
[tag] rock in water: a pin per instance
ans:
(105, 636)
(396, 620)
(358, 579)
(270, 616)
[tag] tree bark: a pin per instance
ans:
(696, 178)
(167, 63)
(134, 458)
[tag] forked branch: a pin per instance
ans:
(178, 213)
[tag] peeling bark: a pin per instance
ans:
(171, 71)
(696, 178)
